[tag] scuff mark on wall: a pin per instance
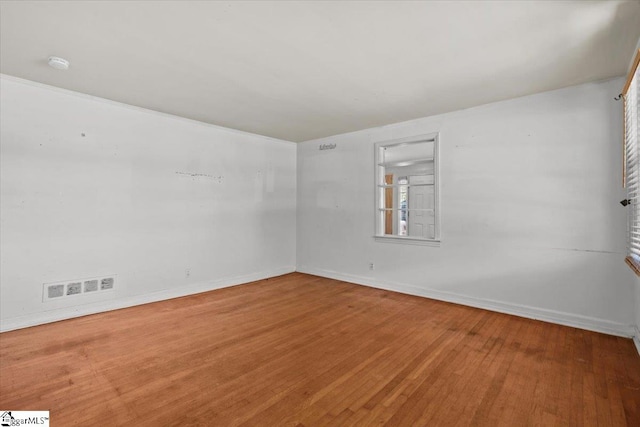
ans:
(586, 250)
(218, 178)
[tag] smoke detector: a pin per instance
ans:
(58, 63)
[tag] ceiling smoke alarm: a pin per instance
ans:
(58, 63)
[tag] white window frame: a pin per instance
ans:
(631, 94)
(379, 183)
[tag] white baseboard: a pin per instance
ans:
(567, 319)
(100, 307)
(552, 316)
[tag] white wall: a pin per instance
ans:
(531, 222)
(121, 200)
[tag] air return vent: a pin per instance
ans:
(74, 288)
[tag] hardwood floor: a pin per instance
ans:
(300, 350)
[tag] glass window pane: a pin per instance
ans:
(406, 195)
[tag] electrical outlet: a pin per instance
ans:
(371, 266)
(106, 283)
(74, 288)
(91, 285)
(187, 273)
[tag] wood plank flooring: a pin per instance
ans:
(300, 350)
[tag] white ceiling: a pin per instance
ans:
(303, 70)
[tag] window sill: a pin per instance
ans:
(634, 264)
(407, 240)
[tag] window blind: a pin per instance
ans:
(631, 96)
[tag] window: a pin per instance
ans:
(407, 204)
(631, 94)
